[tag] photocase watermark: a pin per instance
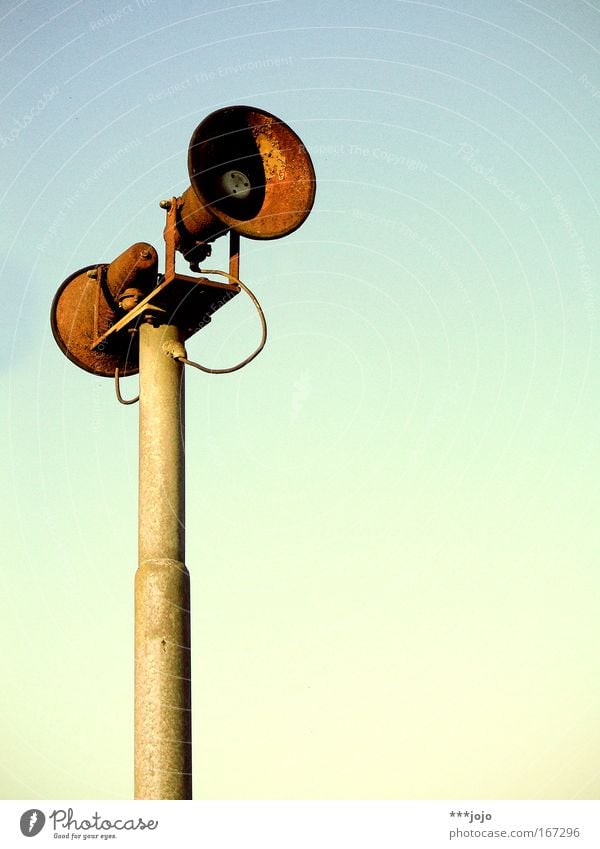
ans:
(170, 91)
(220, 72)
(32, 822)
(403, 231)
(470, 155)
(119, 14)
(301, 394)
(28, 117)
(256, 65)
(589, 86)
(583, 265)
(387, 156)
(97, 822)
(78, 195)
(87, 828)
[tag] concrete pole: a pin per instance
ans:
(163, 718)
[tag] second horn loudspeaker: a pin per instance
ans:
(249, 172)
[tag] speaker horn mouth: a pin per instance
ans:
(252, 172)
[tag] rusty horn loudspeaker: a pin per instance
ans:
(92, 299)
(249, 173)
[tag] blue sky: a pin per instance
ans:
(390, 512)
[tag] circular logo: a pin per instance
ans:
(32, 822)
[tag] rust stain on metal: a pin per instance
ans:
(86, 306)
(270, 153)
(274, 160)
(96, 310)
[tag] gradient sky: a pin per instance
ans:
(391, 530)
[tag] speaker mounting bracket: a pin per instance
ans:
(181, 299)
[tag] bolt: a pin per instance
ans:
(92, 273)
(165, 204)
(145, 253)
(152, 314)
(128, 303)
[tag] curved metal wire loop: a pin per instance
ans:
(263, 323)
(120, 398)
